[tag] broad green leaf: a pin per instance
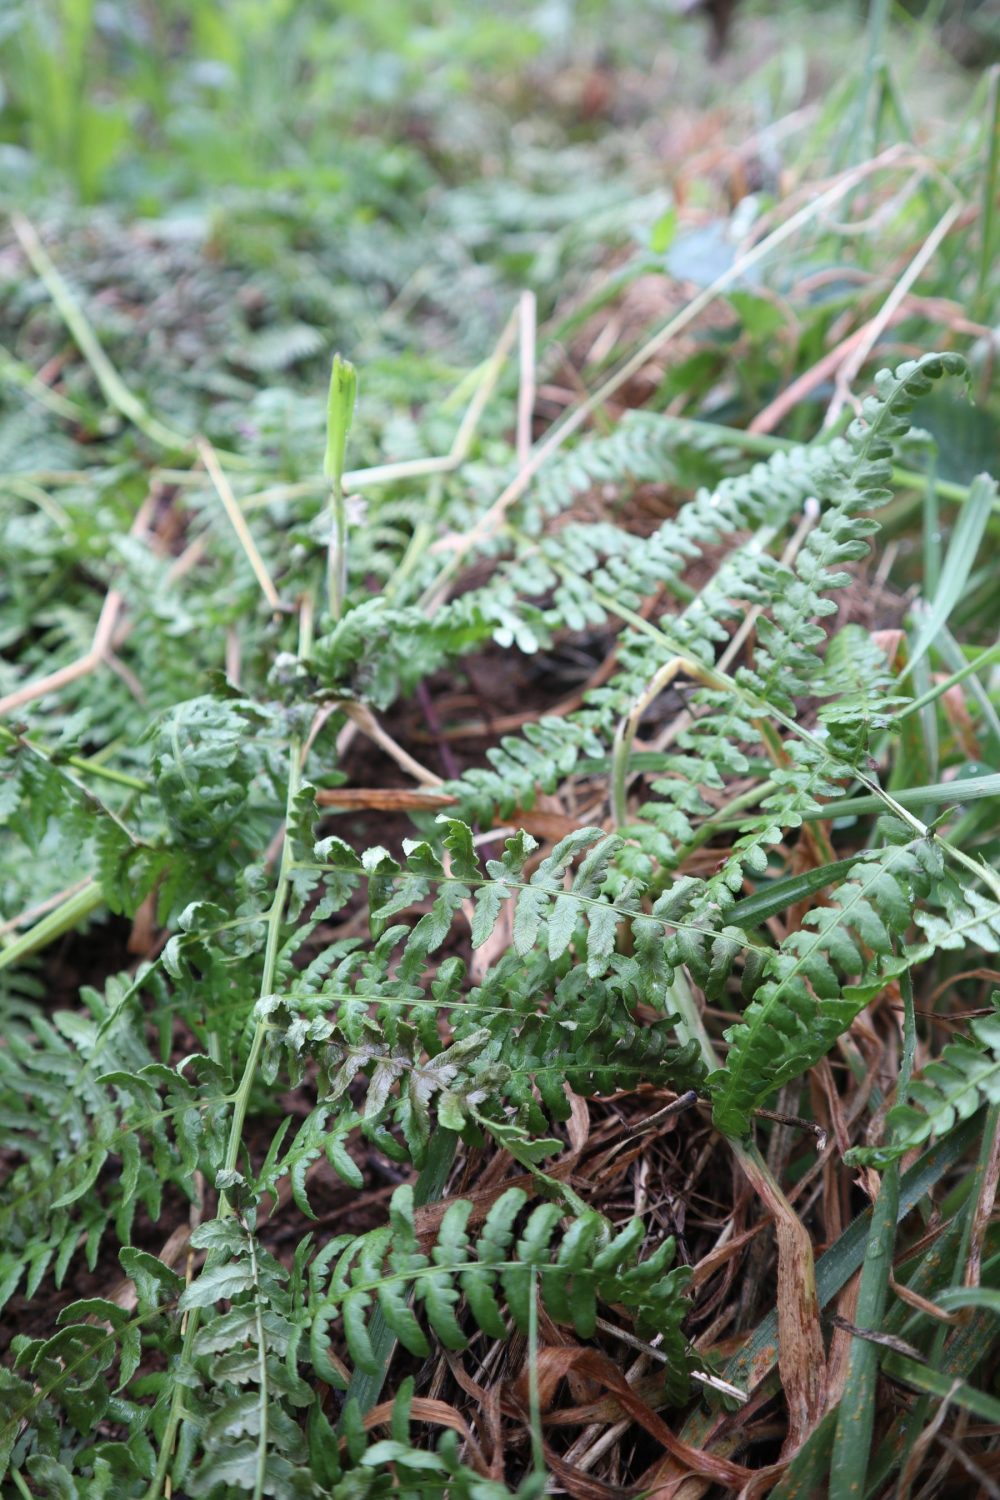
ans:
(216, 1282)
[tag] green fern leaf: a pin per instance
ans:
(950, 1089)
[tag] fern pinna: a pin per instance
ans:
(465, 990)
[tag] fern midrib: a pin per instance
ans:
(263, 1389)
(43, 1391)
(226, 1207)
(925, 949)
(624, 912)
(970, 1087)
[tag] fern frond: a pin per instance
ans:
(277, 347)
(532, 1028)
(251, 1391)
(83, 1094)
(820, 978)
(591, 572)
(573, 1271)
(950, 1089)
(845, 954)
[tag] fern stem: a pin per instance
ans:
(67, 915)
(365, 1389)
(856, 1416)
(86, 763)
(241, 1099)
(765, 444)
(262, 1399)
(673, 923)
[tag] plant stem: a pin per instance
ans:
(67, 915)
(241, 1099)
(764, 444)
(626, 732)
(336, 574)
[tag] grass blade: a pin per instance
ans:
(961, 555)
(856, 1417)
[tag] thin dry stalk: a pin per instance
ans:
(849, 371)
(237, 520)
(100, 652)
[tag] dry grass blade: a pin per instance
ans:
(801, 1355)
(558, 1363)
(437, 1414)
(223, 489)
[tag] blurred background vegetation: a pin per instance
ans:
(230, 192)
(269, 180)
(153, 103)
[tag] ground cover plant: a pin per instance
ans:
(499, 753)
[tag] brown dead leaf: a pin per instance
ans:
(801, 1356)
(488, 1403)
(382, 799)
(598, 1367)
(889, 643)
(956, 710)
(438, 1414)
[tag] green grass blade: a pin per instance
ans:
(984, 659)
(778, 895)
(936, 1383)
(113, 387)
(971, 1296)
(962, 550)
(954, 659)
(834, 1269)
(856, 1417)
(987, 223)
